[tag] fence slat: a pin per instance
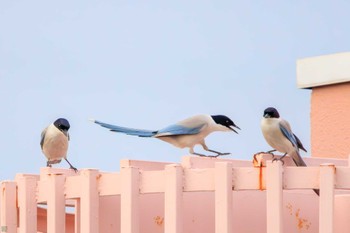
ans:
(109, 184)
(173, 199)
(342, 179)
(130, 179)
(27, 203)
(77, 216)
(152, 182)
(89, 202)
(198, 179)
(274, 197)
(56, 215)
(223, 197)
(294, 177)
(327, 172)
(8, 207)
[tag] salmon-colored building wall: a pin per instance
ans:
(329, 78)
(330, 121)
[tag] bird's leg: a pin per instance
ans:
(280, 159)
(213, 151)
(71, 166)
(195, 153)
(48, 163)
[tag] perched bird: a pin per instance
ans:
(185, 133)
(54, 142)
(278, 134)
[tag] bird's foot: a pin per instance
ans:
(270, 152)
(73, 168)
(199, 154)
(265, 152)
(219, 154)
(211, 156)
(278, 159)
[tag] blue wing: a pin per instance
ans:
(178, 130)
(129, 131)
(289, 135)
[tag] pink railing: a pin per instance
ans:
(197, 195)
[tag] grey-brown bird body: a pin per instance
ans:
(183, 134)
(54, 142)
(278, 134)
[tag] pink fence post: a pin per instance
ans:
(129, 200)
(173, 201)
(27, 203)
(89, 201)
(223, 197)
(274, 196)
(56, 205)
(327, 174)
(8, 207)
(77, 215)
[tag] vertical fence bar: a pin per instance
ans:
(56, 211)
(77, 216)
(8, 207)
(129, 199)
(27, 203)
(173, 199)
(326, 219)
(223, 197)
(89, 202)
(274, 196)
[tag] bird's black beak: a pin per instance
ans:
(231, 128)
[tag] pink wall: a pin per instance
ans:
(330, 121)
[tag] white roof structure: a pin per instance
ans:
(323, 70)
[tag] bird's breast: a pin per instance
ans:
(274, 136)
(55, 145)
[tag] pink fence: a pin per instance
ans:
(197, 195)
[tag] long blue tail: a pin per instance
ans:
(129, 131)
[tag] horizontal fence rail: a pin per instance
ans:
(58, 189)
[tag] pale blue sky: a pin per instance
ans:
(149, 64)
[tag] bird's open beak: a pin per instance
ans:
(231, 128)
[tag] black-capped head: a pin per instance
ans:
(62, 124)
(225, 121)
(271, 113)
